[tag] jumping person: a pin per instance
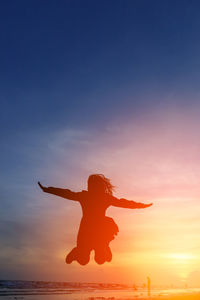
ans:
(96, 230)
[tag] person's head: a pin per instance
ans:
(98, 183)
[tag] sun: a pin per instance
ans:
(181, 256)
(182, 263)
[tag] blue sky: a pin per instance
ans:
(72, 63)
(79, 81)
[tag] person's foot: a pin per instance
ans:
(71, 256)
(108, 254)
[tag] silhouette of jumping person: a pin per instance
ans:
(96, 230)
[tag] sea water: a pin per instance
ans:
(35, 290)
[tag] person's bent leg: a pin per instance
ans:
(100, 257)
(83, 255)
(103, 254)
(83, 260)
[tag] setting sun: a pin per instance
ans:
(181, 256)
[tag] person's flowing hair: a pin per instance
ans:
(98, 183)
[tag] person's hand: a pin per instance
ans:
(148, 205)
(41, 186)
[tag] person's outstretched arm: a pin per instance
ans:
(64, 193)
(128, 203)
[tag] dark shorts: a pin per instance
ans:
(97, 233)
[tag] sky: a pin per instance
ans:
(106, 87)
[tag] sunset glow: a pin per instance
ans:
(161, 168)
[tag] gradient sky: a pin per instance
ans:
(108, 87)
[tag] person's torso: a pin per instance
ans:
(94, 206)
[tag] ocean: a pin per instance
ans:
(35, 290)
